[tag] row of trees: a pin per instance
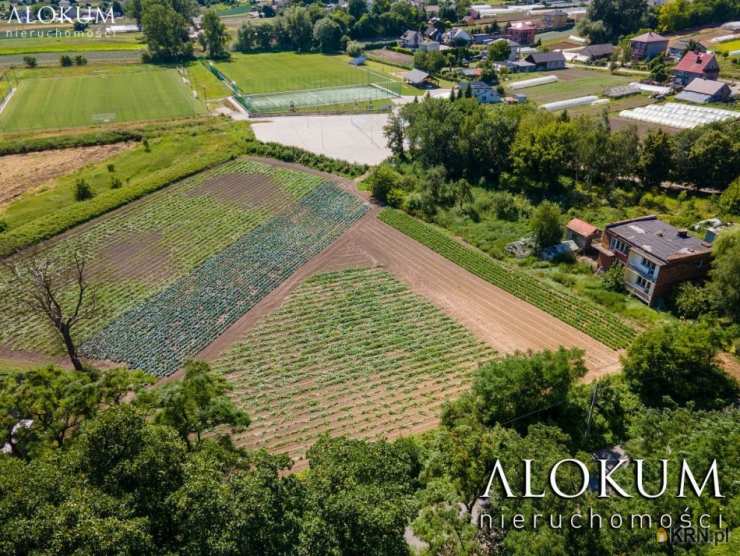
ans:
(675, 15)
(304, 28)
(533, 151)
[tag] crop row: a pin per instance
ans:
(351, 352)
(579, 313)
(142, 248)
(159, 334)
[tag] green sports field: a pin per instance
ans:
(288, 71)
(97, 98)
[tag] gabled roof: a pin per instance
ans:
(581, 227)
(597, 50)
(697, 62)
(705, 86)
(545, 57)
(658, 238)
(415, 76)
(650, 37)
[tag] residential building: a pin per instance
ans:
(702, 91)
(411, 39)
(457, 37)
(544, 61)
(482, 92)
(694, 65)
(522, 32)
(416, 77)
(555, 19)
(655, 256)
(648, 45)
(429, 46)
(594, 52)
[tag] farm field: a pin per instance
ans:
(580, 314)
(351, 352)
(187, 261)
(66, 42)
(83, 100)
(572, 83)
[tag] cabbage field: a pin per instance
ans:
(183, 238)
(352, 352)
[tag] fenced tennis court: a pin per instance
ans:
(275, 103)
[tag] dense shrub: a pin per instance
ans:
(317, 161)
(613, 279)
(83, 191)
(27, 145)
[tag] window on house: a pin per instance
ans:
(618, 245)
(643, 283)
(649, 265)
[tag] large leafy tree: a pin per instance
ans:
(655, 158)
(725, 273)
(197, 404)
(215, 36)
(545, 224)
(617, 18)
(675, 364)
(166, 31)
(327, 35)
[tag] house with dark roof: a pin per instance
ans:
(545, 61)
(655, 256)
(696, 64)
(648, 45)
(702, 91)
(416, 77)
(594, 52)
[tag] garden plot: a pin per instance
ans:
(141, 250)
(352, 352)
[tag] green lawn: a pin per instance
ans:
(585, 82)
(288, 71)
(82, 100)
(205, 83)
(66, 44)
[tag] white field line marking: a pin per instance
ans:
(7, 99)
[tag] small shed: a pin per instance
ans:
(415, 77)
(582, 233)
(358, 61)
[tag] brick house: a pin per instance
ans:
(648, 45)
(655, 256)
(696, 65)
(522, 32)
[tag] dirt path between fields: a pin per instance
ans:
(20, 173)
(505, 322)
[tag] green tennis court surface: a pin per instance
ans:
(82, 100)
(282, 102)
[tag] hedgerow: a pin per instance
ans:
(161, 333)
(317, 161)
(579, 313)
(27, 145)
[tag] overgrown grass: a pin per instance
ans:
(142, 170)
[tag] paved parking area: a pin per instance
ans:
(355, 138)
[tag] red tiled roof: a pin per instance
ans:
(582, 228)
(695, 62)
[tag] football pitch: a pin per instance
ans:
(98, 98)
(277, 72)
